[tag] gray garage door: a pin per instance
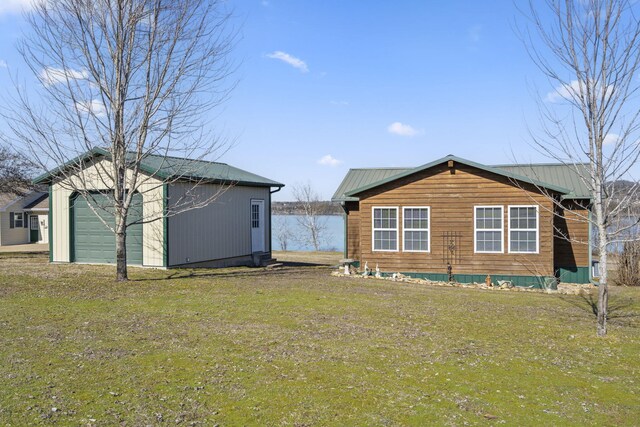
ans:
(94, 242)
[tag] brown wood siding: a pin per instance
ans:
(571, 240)
(452, 198)
(353, 230)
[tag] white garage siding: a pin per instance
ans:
(219, 231)
(152, 194)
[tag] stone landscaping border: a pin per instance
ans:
(563, 288)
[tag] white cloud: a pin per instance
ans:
(51, 76)
(402, 129)
(289, 59)
(94, 107)
(328, 160)
(611, 138)
(3, 64)
(563, 92)
(15, 6)
(568, 92)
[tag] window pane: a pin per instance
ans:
(385, 240)
(416, 240)
(488, 218)
(416, 218)
(488, 241)
(523, 236)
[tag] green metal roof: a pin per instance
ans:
(567, 176)
(357, 178)
(548, 176)
(163, 167)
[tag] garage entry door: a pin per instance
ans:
(94, 242)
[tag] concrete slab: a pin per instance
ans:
(30, 247)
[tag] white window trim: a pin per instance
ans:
(15, 219)
(428, 229)
(373, 230)
(537, 229)
(475, 230)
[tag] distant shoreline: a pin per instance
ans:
(296, 208)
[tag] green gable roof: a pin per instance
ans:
(567, 176)
(563, 179)
(357, 178)
(163, 167)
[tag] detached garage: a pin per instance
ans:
(235, 229)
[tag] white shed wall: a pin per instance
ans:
(218, 231)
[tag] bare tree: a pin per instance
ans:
(590, 52)
(311, 218)
(134, 78)
(283, 233)
(16, 172)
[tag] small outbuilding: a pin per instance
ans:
(24, 217)
(458, 219)
(235, 229)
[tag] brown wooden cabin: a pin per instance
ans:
(523, 223)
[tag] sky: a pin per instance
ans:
(325, 86)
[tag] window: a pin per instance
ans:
(416, 229)
(488, 229)
(385, 229)
(18, 220)
(523, 229)
(255, 216)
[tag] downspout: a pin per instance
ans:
(270, 229)
(345, 218)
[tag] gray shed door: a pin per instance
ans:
(94, 242)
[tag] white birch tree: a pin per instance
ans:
(589, 50)
(311, 218)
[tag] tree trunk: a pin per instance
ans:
(603, 287)
(121, 256)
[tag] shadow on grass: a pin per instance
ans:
(618, 307)
(286, 269)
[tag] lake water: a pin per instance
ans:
(331, 240)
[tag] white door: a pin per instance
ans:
(43, 224)
(257, 225)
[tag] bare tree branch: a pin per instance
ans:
(135, 78)
(590, 53)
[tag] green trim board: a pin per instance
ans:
(72, 249)
(165, 226)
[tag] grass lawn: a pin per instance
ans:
(295, 346)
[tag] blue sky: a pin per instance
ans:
(324, 86)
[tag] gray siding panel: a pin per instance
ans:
(217, 231)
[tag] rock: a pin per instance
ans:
(505, 284)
